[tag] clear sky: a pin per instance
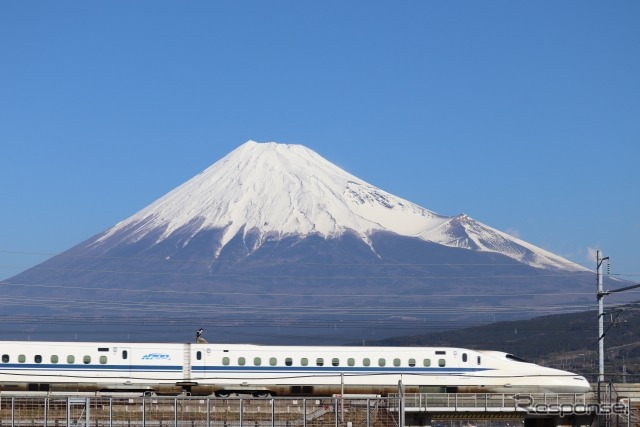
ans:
(523, 115)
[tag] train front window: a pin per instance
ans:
(516, 358)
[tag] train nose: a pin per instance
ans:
(580, 384)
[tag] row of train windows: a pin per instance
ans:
(320, 361)
(55, 359)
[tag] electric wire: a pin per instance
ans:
(349, 313)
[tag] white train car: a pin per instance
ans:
(224, 369)
(90, 367)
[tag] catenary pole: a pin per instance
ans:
(601, 294)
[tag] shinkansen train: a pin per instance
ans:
(261, 371)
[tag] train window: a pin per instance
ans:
(225, 361)
(366, 361)
(351, 361)
(86, 360)
(515, 358)
(304, 361)
(199, 355)
(396, 362)
(464, 357)
(257, 361)
(241, 361)
(442, 363)
(54, 358)
(22, 358)
(381, 362)
(288, 361)
(335, 362)
(273, 361)
(412, 363)
(426, 362)
(319, 361)
(71, 359)
(103, 360)
(125, 354)
(5, 358)
(37, 358)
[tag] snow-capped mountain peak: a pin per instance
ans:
(283, 190)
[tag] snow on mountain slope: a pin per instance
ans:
(464, 232)
(283, 190)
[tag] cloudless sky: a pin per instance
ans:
(523, 115)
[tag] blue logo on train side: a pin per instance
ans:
(156, 356)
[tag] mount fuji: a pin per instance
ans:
(270, 191)
(274, 241)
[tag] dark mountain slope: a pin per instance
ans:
(568, 341)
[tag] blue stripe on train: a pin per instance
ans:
(332, 369)
(33, 367)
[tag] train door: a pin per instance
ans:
(201, 361)
(464, 360)
(198, 368)
(461, 363)
(123, 355)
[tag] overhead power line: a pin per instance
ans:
(257, 262)
(296, 294)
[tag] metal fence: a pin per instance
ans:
(20, 411)
(440, 410)
(494, 402)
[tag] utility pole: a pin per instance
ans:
(600, 295)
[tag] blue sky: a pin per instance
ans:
(523, 115)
